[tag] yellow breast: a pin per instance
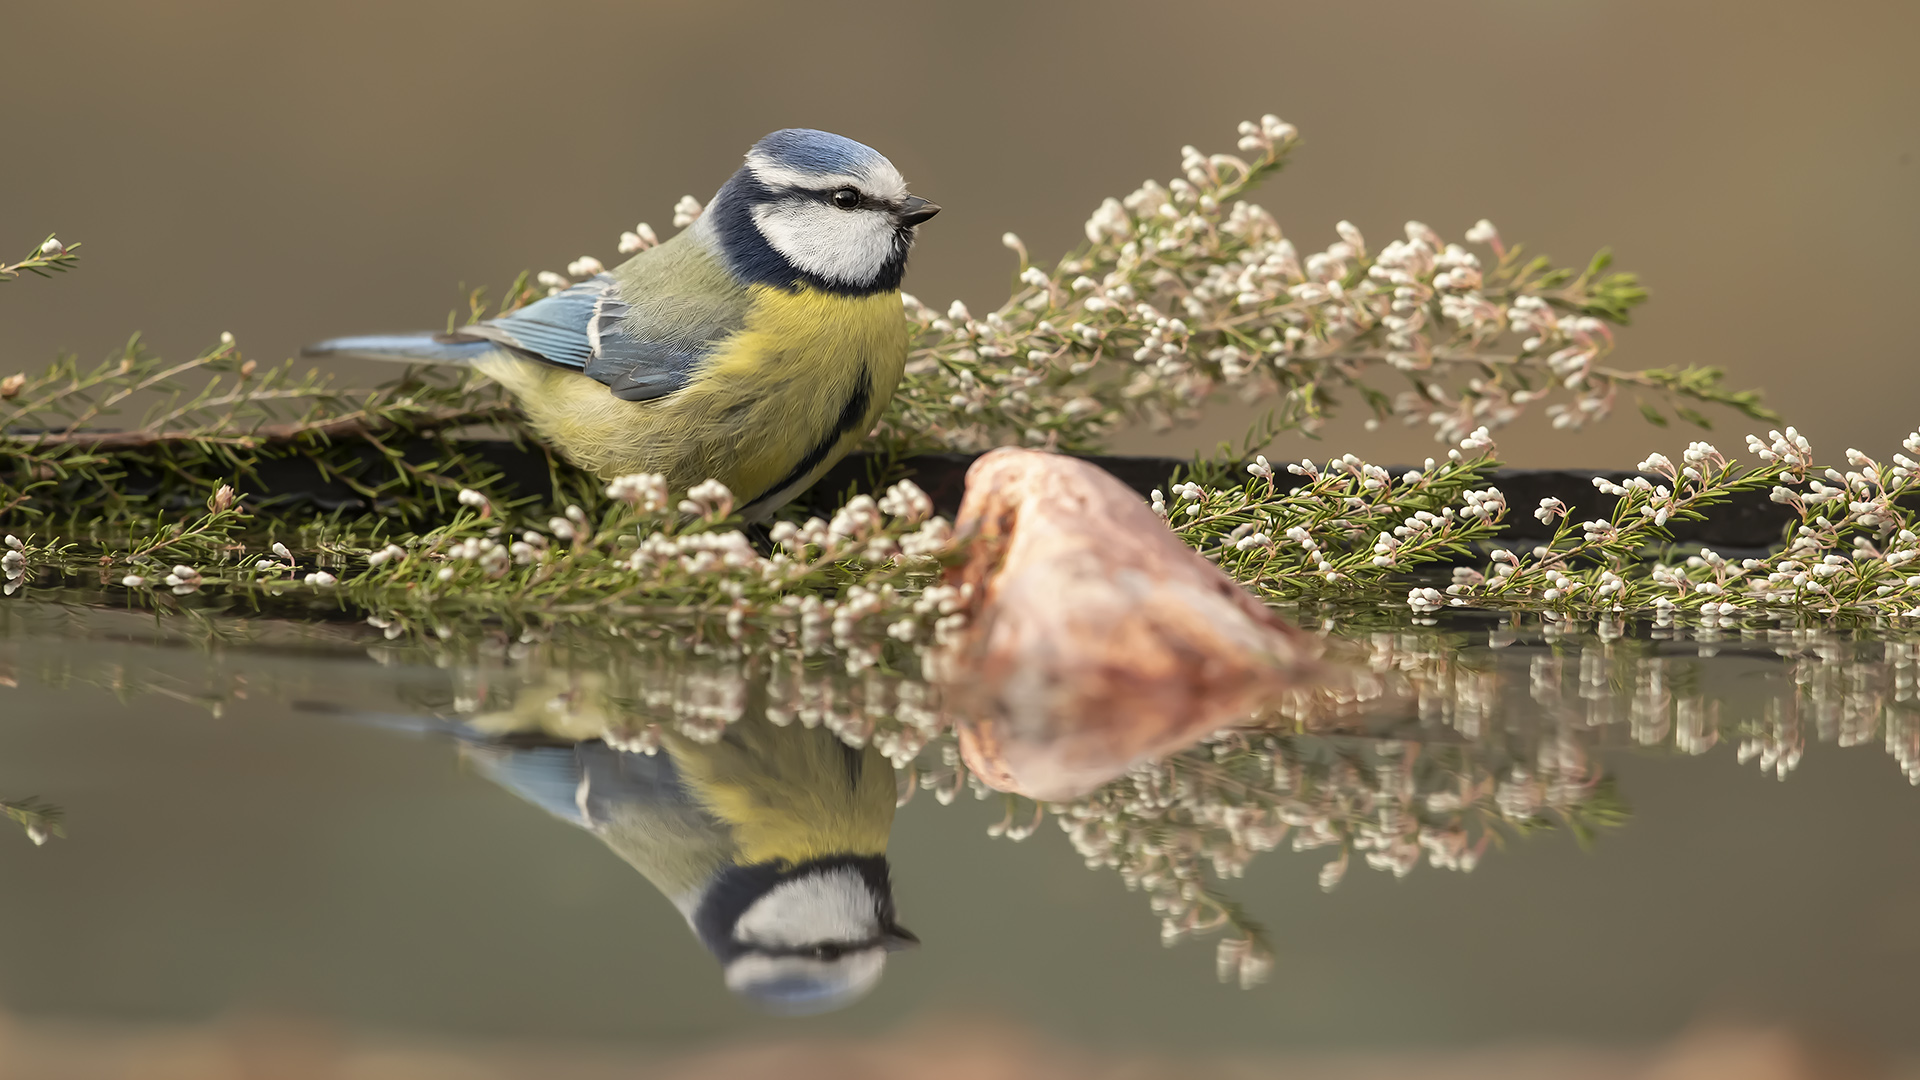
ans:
(774, 406)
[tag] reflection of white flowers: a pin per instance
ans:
(1392, 803)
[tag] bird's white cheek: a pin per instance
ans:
(850, 248)
(835, 906)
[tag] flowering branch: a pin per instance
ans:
(1350, 526)
(49, 258)
(1849, 553)
(1183, 291)
(243, 413)
(858, 579)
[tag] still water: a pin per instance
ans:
(1558, 833)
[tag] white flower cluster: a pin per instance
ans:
(856, 529)
(1352, 523)
(649, 553)
(645, 492)
(1185, 290)
(639, 239)
(387, 554)
(282, 560)
(493, 557)
(13, 565)
(708, 499)
(1790, 450)
(571, 526)
(1854, 549)
(899, 715)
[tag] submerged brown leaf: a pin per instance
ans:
(1096, 639)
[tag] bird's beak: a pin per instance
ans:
(899, 937)
(914, 210)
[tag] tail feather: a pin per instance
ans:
(403, 348)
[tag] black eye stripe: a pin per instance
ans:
(827, 196)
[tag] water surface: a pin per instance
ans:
(1662, 825)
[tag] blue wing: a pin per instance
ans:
(583, 783)
(585, 328)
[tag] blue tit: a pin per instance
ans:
(756, 347)
(770, 840)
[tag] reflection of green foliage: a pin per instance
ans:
(1439, 751)
(1603, 808)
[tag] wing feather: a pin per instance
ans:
(590, 328)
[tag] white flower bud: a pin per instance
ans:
(1351, 234)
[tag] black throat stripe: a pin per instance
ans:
(852, 414)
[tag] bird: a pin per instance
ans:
(770, 840)
(755, 347)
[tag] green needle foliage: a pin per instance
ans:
(50, 257)
(1184, 292)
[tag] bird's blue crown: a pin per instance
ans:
(805, 149)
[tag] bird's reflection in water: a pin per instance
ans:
(770, 839)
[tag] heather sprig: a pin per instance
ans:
(47, 258)
(858, 578)
(216, 418)
(1184, 291)
(1850, 552)
(1349, 527)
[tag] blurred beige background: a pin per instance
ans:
(289, 172)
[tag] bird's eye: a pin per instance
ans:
(846, 198)
(827, 952)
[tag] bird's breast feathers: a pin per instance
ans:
(770, 407)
